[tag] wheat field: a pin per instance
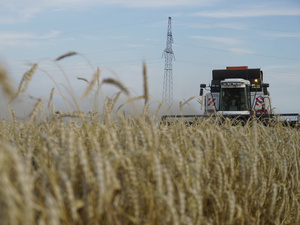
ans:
(110, 168)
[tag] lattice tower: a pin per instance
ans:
(168, 75)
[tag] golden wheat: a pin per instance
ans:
(5, 82)
(198, 173)
(92, 83)
(116, 83)
(108, 168)
(66, 55)
(25, 79)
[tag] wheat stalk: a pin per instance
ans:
(115, 99)
(158, 108)
(130, 100)
(273, 199)
(70, 196)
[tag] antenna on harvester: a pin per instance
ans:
(168, 76)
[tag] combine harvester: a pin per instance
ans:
(237, 93)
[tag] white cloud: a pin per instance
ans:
(205, 25)
(16, 11)
(136, 45)
(24, 39)
(90, 37)
(118, 37)
(160, 3)
(15, 36)
(241, 50)
(283, 34)
(52, 34)
(237, 26)
(152, 40)
(250, 12)
(284, 68)
(222, 40)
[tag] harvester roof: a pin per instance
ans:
(247, 74)
(255, 76)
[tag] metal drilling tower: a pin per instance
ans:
(168, 76)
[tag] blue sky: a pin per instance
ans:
(118, 36)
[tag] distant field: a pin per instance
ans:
(111, 168)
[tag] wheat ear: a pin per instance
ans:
(66, 55)
(35, 109)
(92, 83)
(51, 97)
(116, 83)
(26, 78)
(81, 78)
(146, 95)
(4, 81)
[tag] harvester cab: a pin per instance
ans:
(236, 91)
